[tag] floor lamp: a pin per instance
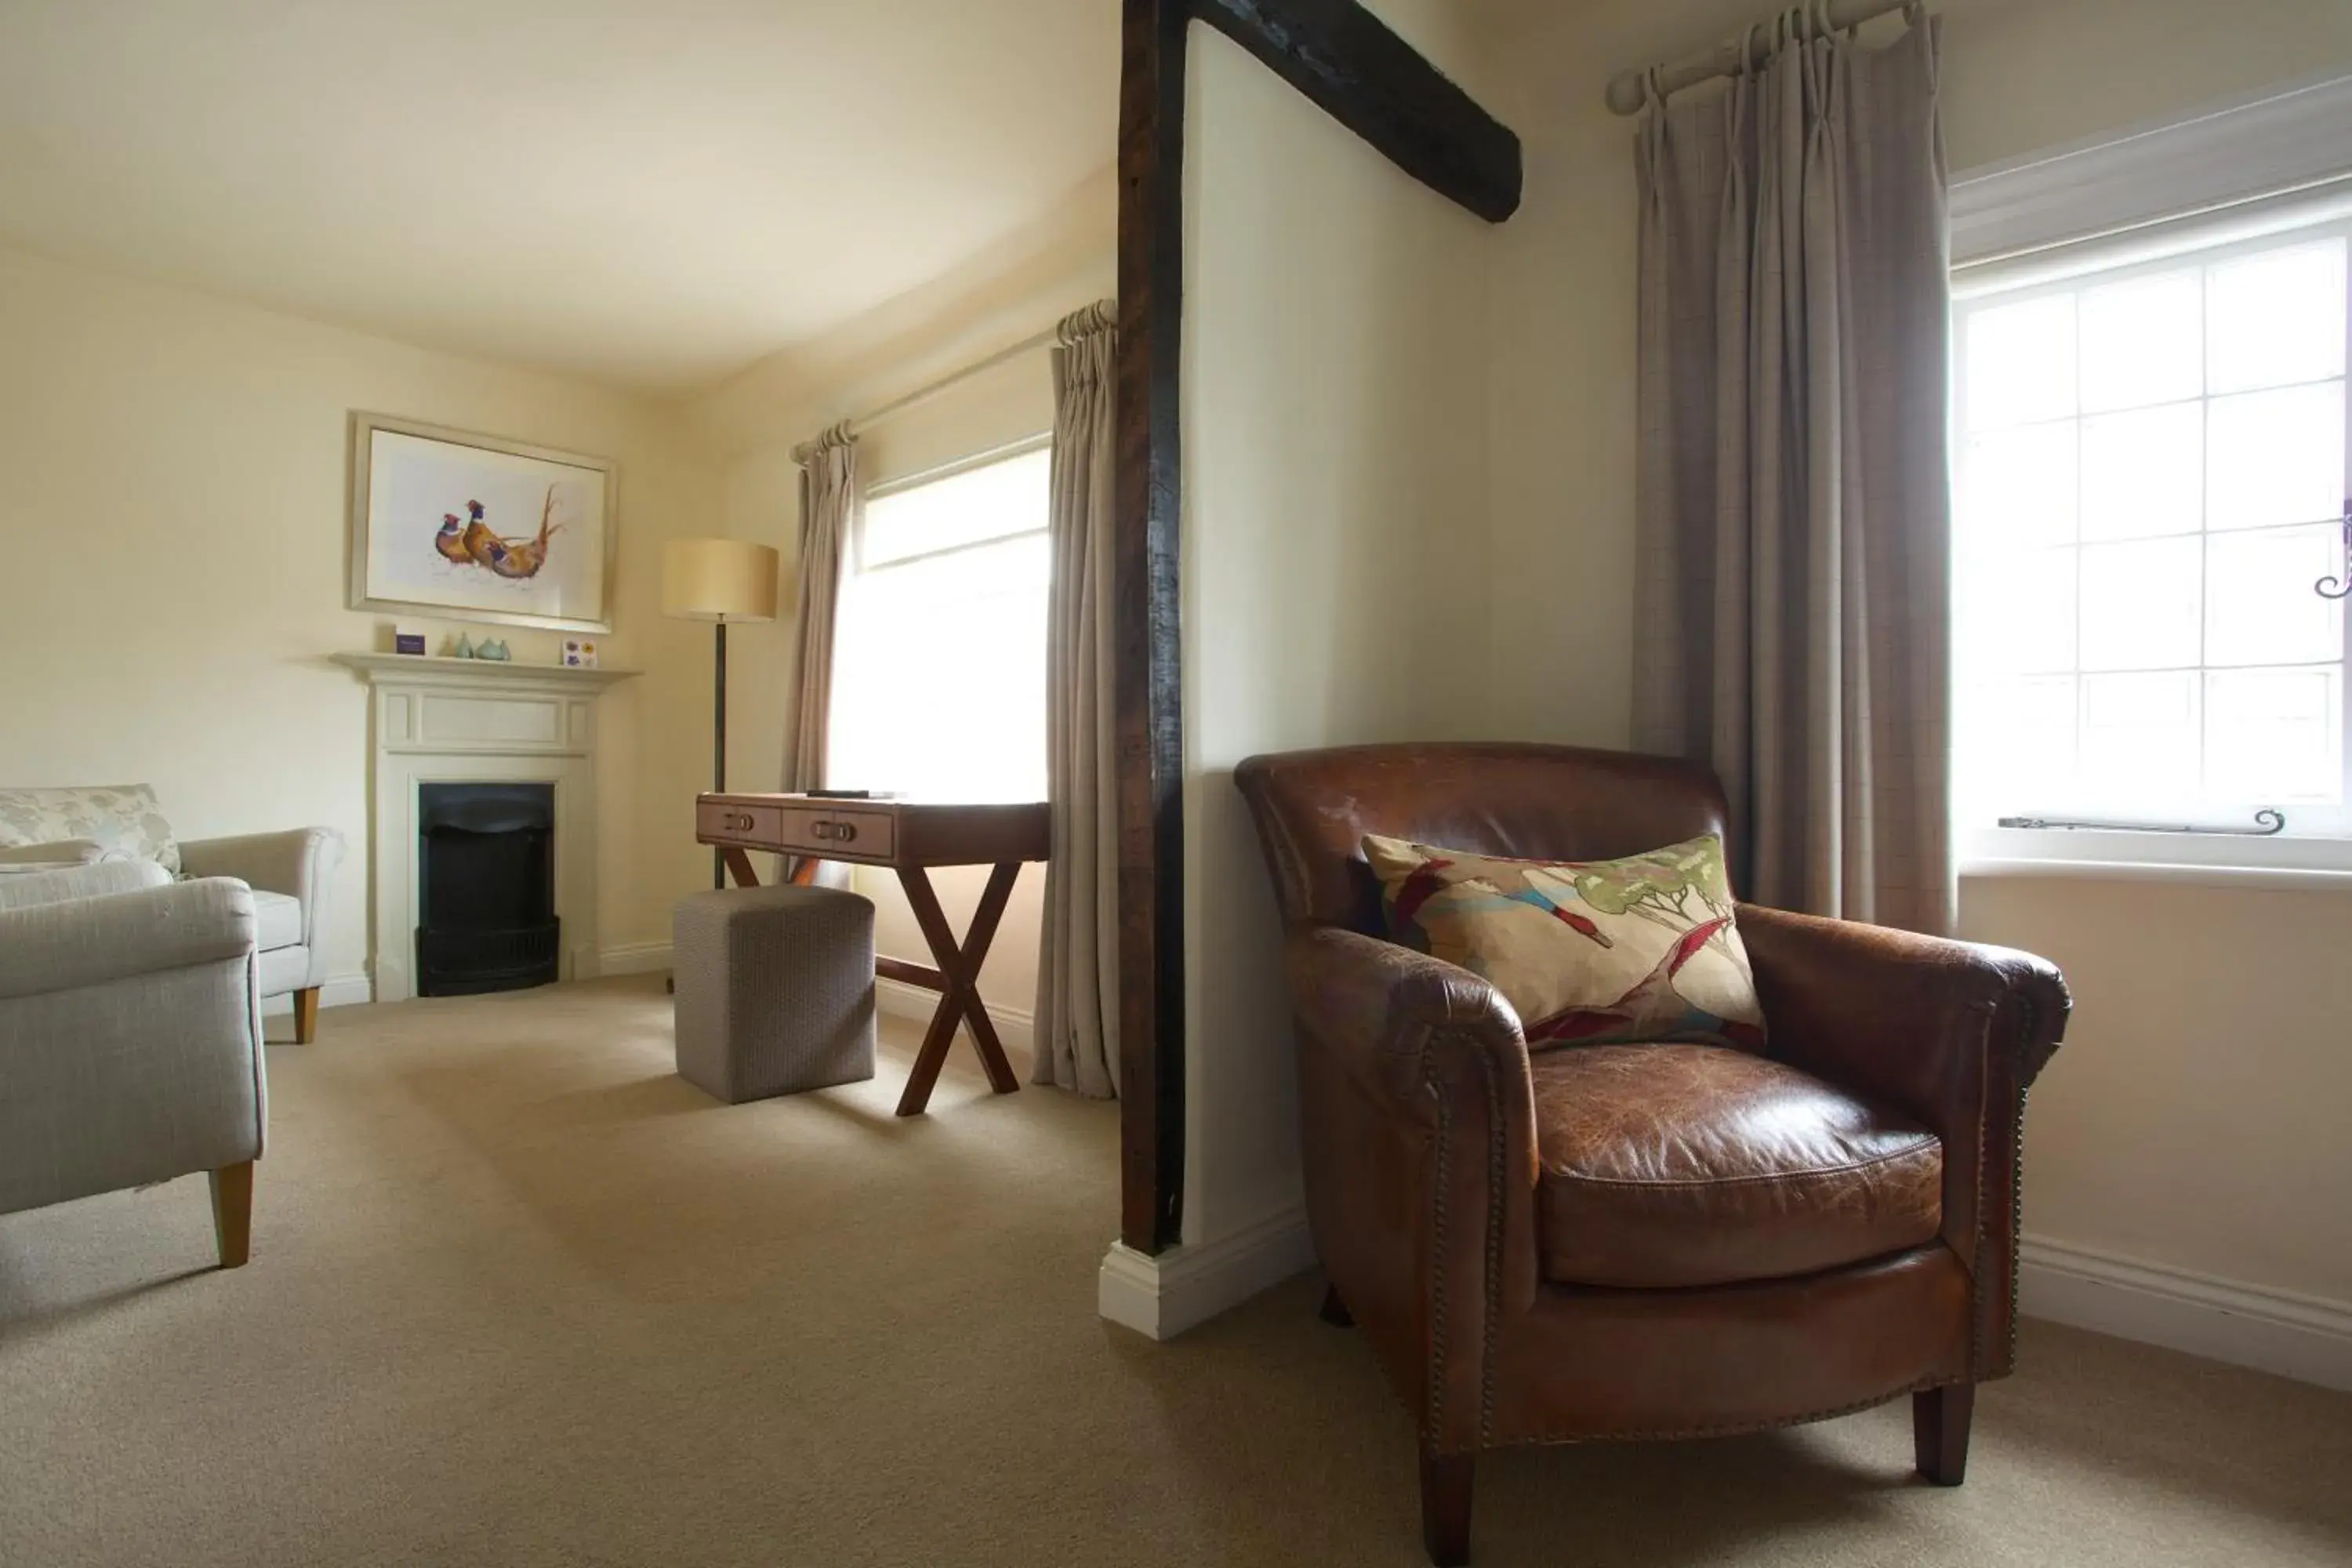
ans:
(718, 580)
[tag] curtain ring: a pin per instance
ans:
(1653, 88)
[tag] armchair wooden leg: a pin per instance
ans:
(306, 1015)
(1939, 1432)
(1445, 1507)
(1334, 1312)
(233, 1212)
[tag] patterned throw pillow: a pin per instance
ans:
(1590, 952)
(122, 818)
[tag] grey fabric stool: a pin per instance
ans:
(776, 990)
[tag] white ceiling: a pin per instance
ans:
(654, 192)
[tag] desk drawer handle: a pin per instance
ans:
(743, 822)
(839, 832)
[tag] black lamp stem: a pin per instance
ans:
(718, 748)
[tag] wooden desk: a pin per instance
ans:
(908, 836)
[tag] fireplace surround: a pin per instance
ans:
(488, 726)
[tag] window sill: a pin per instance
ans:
(2303, 880)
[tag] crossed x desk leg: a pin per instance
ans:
(958, 981)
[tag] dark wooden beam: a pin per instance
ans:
(1148, 720)
(1353, 68)
(1373, 82)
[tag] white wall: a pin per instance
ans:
(1334, 577)
(2192, 1121)
(173, 498)
(755, 420)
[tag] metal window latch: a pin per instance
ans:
(2337, 588)
(2268, 821)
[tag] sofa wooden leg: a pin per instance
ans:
(233, 1212)
(306, 1015)
(1939, 1432)
(1445, 1507)
(1334, 1312)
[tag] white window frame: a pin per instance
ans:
(1005, 453)
(2258, 167)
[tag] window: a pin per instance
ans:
(2149, 458)
(939, 652)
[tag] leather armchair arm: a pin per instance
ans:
(1901, 1018)
(1420, 1141)
(1951, 1034)
(1384, 1009)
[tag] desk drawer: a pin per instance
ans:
(844, 834)
(757, 825)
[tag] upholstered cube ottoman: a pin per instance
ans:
(776, 990)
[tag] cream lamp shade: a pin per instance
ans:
(720, 580)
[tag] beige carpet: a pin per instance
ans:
(519, 1296)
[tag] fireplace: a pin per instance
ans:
(486, 897)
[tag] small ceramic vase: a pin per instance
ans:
(465, 648)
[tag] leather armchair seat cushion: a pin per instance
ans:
(1672, 1165)
(277, 919)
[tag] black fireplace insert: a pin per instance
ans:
(487, 895)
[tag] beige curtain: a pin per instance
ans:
(829, 502)
(1078, 960)
(1792, 591)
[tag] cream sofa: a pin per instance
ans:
(288, 872)
(130, 1038)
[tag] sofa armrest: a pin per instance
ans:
(58, 852)
(80, 942)
(298, 863)
(95, 880)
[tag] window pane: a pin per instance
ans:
(2275, 457)
(2022, 487)
(2023, 731)
(2258, 604)
(983, 503)
(2140, 738)
(939, 690)
(2143, 341)
(2021, 612)
(2277, 318)
(2271, 735)
(2021, 360)
(2142, 603)
(2143, 473)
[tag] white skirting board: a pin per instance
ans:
(335, 991)
(635, 958)
(1014, 1025)
(1162, 1297)
(2302, 1337)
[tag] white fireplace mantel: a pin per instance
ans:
(469, 720)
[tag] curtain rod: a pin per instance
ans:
(1628, 90)
(922, 395)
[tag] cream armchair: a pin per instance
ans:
(289, 873)
(130, 1038)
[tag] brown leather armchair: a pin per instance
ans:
(1643, 1241)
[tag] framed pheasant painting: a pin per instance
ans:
(469, 527)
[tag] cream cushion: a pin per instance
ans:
(277, 921)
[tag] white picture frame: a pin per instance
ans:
(457, 525)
